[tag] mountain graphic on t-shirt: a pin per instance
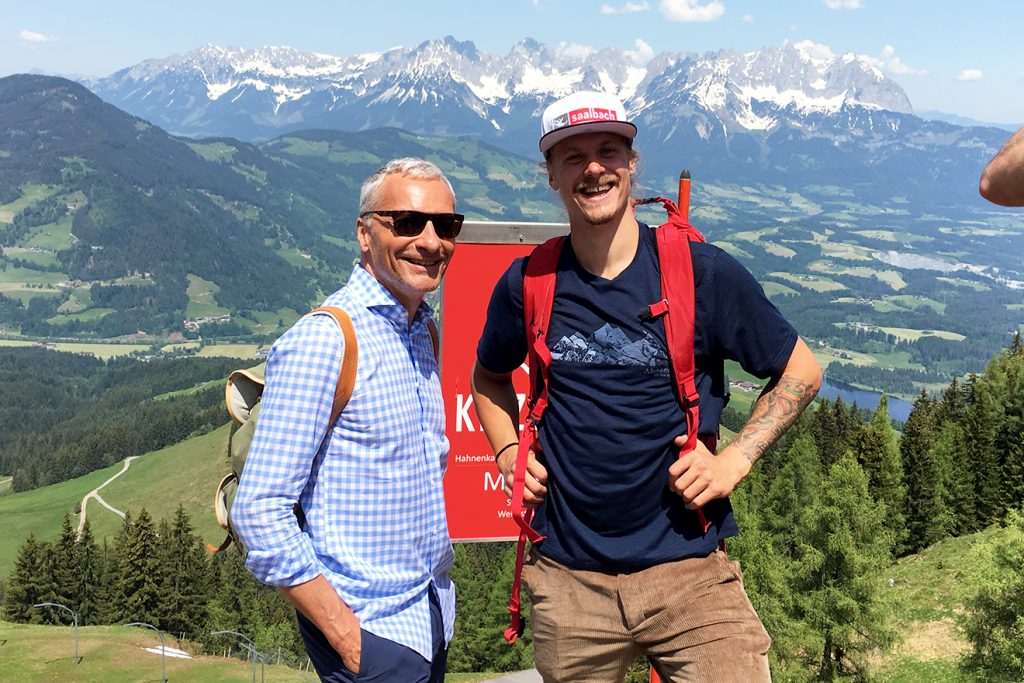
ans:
(610, 346)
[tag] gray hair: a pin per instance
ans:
(412, 167)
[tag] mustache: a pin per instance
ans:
(592, 184)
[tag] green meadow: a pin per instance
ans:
(812, 282)
(100, 350)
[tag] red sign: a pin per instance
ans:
(477, 508)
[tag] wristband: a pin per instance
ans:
(505, 448)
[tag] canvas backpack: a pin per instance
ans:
(677, 308)
(242, 395)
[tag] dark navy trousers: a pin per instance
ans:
(381, 660)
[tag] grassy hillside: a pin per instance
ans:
(928, 593)
(117, 654)
(113, 654)
(40, 512)
(186, 473)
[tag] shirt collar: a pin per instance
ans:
(368, 291)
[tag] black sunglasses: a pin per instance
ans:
(411, 223)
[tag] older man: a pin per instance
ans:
(368, 572)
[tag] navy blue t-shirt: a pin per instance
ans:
(606, 436)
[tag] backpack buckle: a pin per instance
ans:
(654, 311)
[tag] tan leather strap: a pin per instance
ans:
(349, 359)
(435, 340)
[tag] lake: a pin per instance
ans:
(832, 389)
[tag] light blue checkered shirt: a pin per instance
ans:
(372, 495)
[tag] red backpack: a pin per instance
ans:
(677, 305)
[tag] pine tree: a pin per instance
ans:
(91, 574)
(234, 593)
(874, 445)
(139, 572)
(982, 423)
(185, 587)
(115, 555)
(474, 565)
(957, 501)
(31, 583)
(1010, 436)
(795, 489)
(844, 548)
(1016, 347)
(766, 571)
(953, 406)
(924, 512)
(66, 574)
(831, 426)
(107, 603)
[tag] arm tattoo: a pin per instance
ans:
(774, 411)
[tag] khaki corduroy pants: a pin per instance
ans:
(691, 617)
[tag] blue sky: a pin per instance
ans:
(964, 58)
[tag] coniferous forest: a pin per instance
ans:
(824, 517)
(65, 415)
(159, 573)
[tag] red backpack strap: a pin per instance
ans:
(538, 298)
(677, 305)
(677, 298)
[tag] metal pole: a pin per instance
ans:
(251, 647)
(256, 654)
(73, 616)
(163, 649)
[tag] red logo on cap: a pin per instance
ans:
(591, 115)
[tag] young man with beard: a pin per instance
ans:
(627, 566)
(368, 572)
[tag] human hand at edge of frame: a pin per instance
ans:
(700, 476)
(536, 477)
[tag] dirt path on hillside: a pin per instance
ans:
(95, 493)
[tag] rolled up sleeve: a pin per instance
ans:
(301, 377)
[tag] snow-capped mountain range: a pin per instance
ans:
(797, 107)
(212, 89)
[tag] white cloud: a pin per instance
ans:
(33, 37)
(888, 61)
(574, 50)
(628, 8)
(970, 75)
(842, 4)
(749, 18)
(691, 10)
(814, 50)
(642, 54)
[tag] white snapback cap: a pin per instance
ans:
(583, 112)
